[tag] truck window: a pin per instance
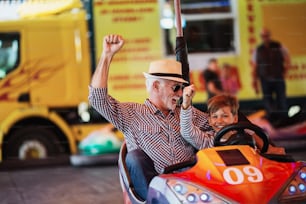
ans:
(208, 26)
(9, 53)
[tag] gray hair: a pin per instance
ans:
(150, 81)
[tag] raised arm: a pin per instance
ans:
(189, 130)
(107, 106)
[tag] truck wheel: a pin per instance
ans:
(31, 143)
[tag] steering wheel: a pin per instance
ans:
(241, 137)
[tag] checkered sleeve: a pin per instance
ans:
(108, 107)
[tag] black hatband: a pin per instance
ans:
(167, 75)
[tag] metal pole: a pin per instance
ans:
(178, 19)
(181, 48)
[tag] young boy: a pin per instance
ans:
(222, 111)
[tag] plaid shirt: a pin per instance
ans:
(147, 128)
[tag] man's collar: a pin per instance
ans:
(153, 108)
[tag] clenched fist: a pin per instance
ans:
(188, 94)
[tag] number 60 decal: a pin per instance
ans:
(234, 175)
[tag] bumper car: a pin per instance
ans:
(99, 147)
(287, 131)
(234, 171)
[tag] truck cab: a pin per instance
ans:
(45, 71)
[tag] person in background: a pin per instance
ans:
(229, 80)
(270, 63)
(211, 76)
(222, 111)
(151, 129)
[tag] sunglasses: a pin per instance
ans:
(177, 87)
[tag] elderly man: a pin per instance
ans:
(151, 127)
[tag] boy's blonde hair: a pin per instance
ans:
(222, 100)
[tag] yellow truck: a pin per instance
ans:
(45, 70)
(48, 49)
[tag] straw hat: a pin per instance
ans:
(166, 69)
